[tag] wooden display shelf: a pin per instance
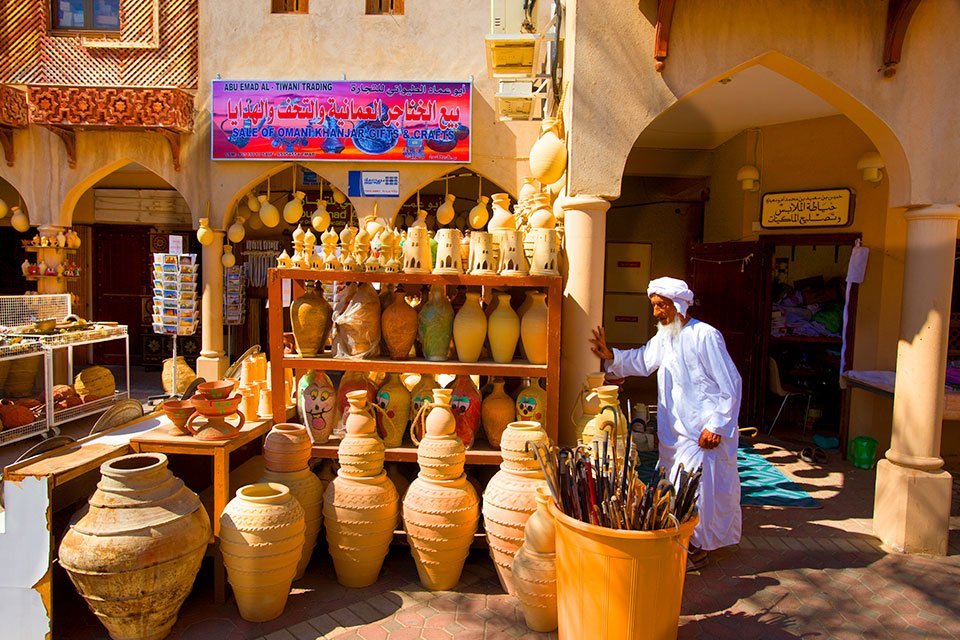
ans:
(41, 275)
(530, 282)
(516, 369)
(482, 455)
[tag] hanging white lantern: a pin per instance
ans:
(204, 232)
(446, 212)
(321, 217)
(293, 210)
(20, 221)
(236, 231)
(338, 196)
(228, 259)
(4, 209)
(269, 214)
(252, 203)
(479, 215)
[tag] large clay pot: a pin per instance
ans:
(308, 490)
(310, 317)
(436, 325)
(361, 512)
(470, 329)
(286, 448)
(510, 498)
(533, 328)
(532, 403)
(609, 421)
(548, 156)
(351, 381)
(496, 412)
(261, 539)
(317, 404)
(394, 399)
(535, 569)
(399, 327)
(513, 445)
(133, 552)
(588, 403)
(503, 328)
(441, 508)
(361, 450)
(465, 404)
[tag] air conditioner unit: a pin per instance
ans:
(506, 16)
(517, 100)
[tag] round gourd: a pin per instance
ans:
(94, 383)
(13, 415)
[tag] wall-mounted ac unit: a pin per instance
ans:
(506, 16)
(141, 206)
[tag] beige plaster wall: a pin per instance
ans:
(817, 154)
(616, 91)
(435, 39)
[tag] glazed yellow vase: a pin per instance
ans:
(394, 399)
(532, 403)
(533, 329)
(503, 329)
(497, 411)
(588, 403)
(311, 318)
(535, 568)
(609, 419)
(470, 329)
(261, 539)
(308, 490)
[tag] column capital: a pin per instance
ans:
(587, 203)
(933, 212)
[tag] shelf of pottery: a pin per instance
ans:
(51, 258)
(33, 328)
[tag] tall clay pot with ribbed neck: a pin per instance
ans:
(510, 497)
(133, 552)
(441, 508)
(535, 568)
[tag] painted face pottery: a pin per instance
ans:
(532, 403)
(317, 404)
(394, 399)
(465, 404)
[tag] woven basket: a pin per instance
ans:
(185, 375)
(21, 377)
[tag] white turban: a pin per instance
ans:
(675, 290)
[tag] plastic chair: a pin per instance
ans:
(777, 388)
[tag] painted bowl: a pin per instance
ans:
(178, 412)
(218, 389)
(215, 407)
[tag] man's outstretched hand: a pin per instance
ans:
(599, 345)
(708, 440)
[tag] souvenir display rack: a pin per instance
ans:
(552, 285)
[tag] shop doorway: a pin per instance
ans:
(121, 258)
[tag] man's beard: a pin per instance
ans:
(671, 329)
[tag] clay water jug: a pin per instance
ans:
(134, 550)
(548, 156)
(399, 327)
(533, 329)
(308, 490)
(310, 317)
(501, 218)
(436, 325)
(360, 509)
(535, 569)
(361, 451)
(587, 403)
(317, 404)
(503, 330)
(470, 329)
(465, 404)
(261, 539)
(394, 399)
(532, 403)
(541, 215)
(609, 421)
(441, 508)
(510, 498)
(496, 412)
(442, 457)
(351, 381)
(286, 447)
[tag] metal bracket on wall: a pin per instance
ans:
(6, 141)
(69, 138)
(661, 39)
(899, 14)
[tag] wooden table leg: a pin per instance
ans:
(221, 495)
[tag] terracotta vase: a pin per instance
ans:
(394, 399)
(510, 498)
(361, 450)
(533, 329)
(608, 422)
(317, 404)
(470, 329)
(308, 490)
(261, 539)
(501, 218)
(399, 327)
(310, 317)
(465, 404)
(587, 403)
(535, 569)
(286, 448)
(496, 412)
(548, 156)
(133, 552)
(442, 456)
(441, 508)
(351, 381)
(436, 325)
(503, 329)
(422, 393)
(532, 403)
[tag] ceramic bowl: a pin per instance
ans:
(217, 390)
(215, 407)
(47, 324)
(178, 411)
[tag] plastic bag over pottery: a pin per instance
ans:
(356, 323)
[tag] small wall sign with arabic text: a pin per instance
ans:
(807, 209)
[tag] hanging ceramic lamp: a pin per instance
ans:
(252, 202)
(338, 196)
(4, 209)
(548, 157)
(19, 220)
(269, 214)
(254, 221)
(321, 217)
(479, 214)
(205, 233)
(446, 212)
(228, 259)
(236, 231)
(293, 210)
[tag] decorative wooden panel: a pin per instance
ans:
(157, 47)
(111, 107)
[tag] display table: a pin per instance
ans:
(158, 441)
(882, 383)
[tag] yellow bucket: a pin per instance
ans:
(619, 585)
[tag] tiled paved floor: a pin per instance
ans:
(797, 574)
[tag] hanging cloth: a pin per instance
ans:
(856, 271)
